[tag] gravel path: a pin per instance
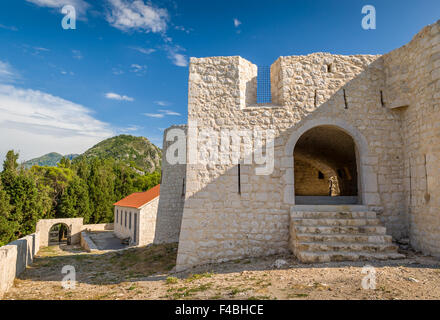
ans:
(145, 273)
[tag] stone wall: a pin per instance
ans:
(98, 227)
(308, 182)
(124, 223)
(75, 226)
(87, 243)
(413, 93)
(15, 257)
(171, 200)
(147, 222)
(352, 93)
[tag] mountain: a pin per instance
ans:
(138, 151)
(50, 160)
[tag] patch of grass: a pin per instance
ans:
(297, 295)
(194, 277)
(184, 292)
(171, 280)
(259, 298)
(104, 296)
(200, 288)
(263, 283)
(236, 290)
(132, 287)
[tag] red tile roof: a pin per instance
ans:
(138, 199)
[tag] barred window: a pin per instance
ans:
(264, 94)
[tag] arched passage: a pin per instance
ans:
(325, 167)
(366, 162)
(59, 234)
(74, 225)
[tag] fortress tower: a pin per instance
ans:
(356, 153)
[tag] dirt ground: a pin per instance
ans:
(146, 273)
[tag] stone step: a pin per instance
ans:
(329, 207)
(337, 222)
(349, 238)
(333, 214)
(340, 229)
(314, 257)
(346, 247)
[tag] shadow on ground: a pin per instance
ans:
(156, 262)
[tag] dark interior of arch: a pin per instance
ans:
(59, 233)
(325, 163)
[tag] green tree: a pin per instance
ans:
(75, 201)
(29, 203)
(64, 163)
(101, 190)
(8, 227)
(54, 181)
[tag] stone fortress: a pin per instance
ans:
(356, 158)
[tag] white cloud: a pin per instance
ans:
(182, 28)
(11, 28)
(154, 115)
(178, 59)
(7, 73)
(80, 5)
(170, 112)
(41, 49)
(162, 113)
(137, 15)
(175, 56)
(139, 69)
(115, 96)
(236, 22)
(162, 103)
(35, 123)
(144, 50)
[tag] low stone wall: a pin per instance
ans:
(98, 227)
(87, 243)
(75, 225)
(15, 257)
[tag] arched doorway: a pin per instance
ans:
(325, 167)
(59, 234)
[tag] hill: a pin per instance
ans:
(50, 160)
(138, 151)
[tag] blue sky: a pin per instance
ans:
(124, 68)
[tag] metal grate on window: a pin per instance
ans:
(264, 94)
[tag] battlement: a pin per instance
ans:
(299, 81)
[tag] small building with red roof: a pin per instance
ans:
(135, 216)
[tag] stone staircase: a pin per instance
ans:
(324, 233)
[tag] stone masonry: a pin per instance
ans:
(389, 105)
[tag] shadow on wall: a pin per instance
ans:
(229, 218)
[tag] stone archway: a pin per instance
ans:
(75, 226)
(325, 167)
(367, 188)
(59, 234)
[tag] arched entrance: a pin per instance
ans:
(367, 187)
(325, 167)
(74, 226)
(59, 234)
